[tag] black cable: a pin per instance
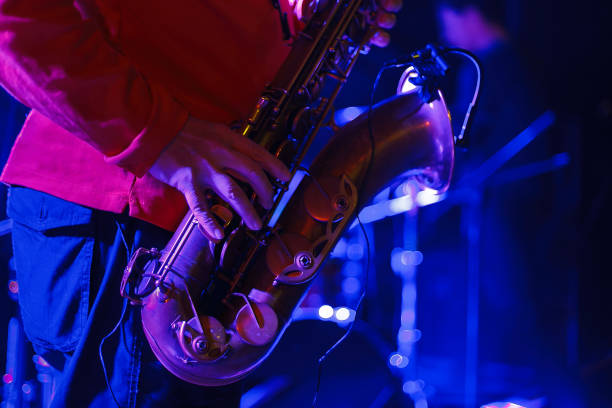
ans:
(365, 235)
(128, 251)
(348, 331)
(410, 61)
(100, 354)
(465, 125)
(473, 103)
(370, 128)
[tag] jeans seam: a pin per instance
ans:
(134, 372)
(85, 289)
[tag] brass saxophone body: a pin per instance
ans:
(213, 312)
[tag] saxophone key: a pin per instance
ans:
(256, 323)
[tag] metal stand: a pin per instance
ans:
(19, 391)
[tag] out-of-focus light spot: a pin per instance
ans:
(355, 252)
(7, 378)
(420, 403)
(407, 317)
(405, 85)
(410, 387)
(403, 261)
(40, 361)
(394, 359)
(401, 204)
(411, 258)
(351, 285)
(326, 312)
(343, 313)
(352, 268)
(409, 336)
(512, 405)
(344, 116)
(26, 388)
(13, 287)
(339, 250)
(428, 196)
(398, 360)
(44, 378)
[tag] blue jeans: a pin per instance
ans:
(69, 261)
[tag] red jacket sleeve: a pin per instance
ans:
(56, 59)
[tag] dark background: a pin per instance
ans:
(557, 340)
(565, 47)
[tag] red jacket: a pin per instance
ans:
(111, 82)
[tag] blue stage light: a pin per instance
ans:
(351, 285)
(326, 312)
(342, 314)
(398, 360)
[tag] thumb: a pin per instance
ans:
(198, 205)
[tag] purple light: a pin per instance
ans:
(13, 287)
(26, 388)
(38, 360)
(397, 360)
(7, 378)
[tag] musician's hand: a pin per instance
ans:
(202, 156)
(384, 18)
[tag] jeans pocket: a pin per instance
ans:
(53, 248)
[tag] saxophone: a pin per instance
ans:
(212, 312)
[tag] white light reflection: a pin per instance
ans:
(405, 85)
(293, 185)
(401, 204)
(428, 196)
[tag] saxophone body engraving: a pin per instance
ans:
(213, 312)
